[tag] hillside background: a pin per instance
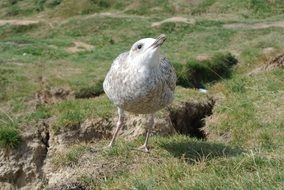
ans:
(55, 118)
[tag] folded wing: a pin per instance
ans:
(168, 73)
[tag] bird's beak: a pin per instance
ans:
(159, 41)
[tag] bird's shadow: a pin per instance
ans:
(196, 151)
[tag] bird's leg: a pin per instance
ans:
(144, 147)
(118, 126)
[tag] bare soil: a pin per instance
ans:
(261, 25)
(79, 46)
(177, 19)
(275, 62)
(17, 22)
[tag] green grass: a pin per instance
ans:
(245, 141)
(180, 162)
(9, 137)
(251, 97)
(71, 157)
(74, 112)
(9, 134)
(66, 8)
(178, 174)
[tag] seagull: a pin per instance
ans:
(140, 81)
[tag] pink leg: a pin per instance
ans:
(144, 147)
(118, 126)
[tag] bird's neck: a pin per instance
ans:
(147, 62)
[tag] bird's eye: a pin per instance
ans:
(139, 46)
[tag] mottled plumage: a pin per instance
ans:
(141, 81)
(137, 89)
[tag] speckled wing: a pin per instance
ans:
(168, 73)
(113, 79)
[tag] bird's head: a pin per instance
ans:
(146, 51)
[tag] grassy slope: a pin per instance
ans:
(249, 112)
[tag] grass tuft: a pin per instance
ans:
(9, 133)
(9, 137)
(198, 73)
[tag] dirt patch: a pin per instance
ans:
(274, 63)
(87, 131)
(189, 117)
(186, 118)
(202, 57)
(116, 15)
(9, 62)
(53, 95)
(18, 22)
(22, 167)
(136, 126)
(279, 24)
(79, 47)
(173, 20)
(268, 51)
(91, 168)
(30, 165)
